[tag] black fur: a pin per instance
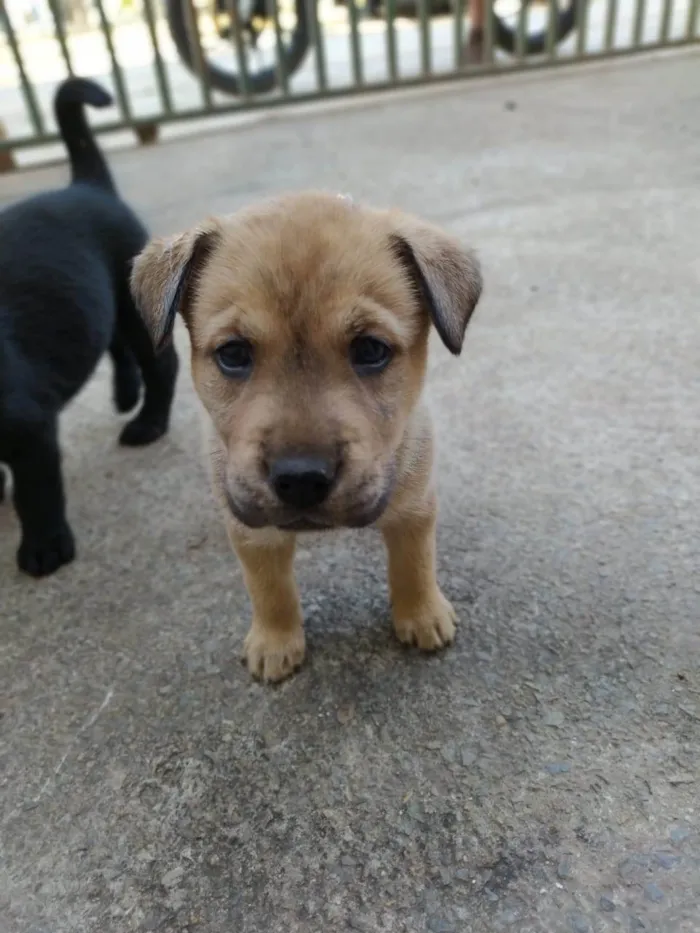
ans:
(64, 301)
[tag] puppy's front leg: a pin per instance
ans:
(422, 615)
(275, 644)
(47, 541)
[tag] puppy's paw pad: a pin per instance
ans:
(127, 391)
(140, 432)
(44, 557)
(430, 627)
(271, 658)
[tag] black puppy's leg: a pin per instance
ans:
(159, 372)
(127, 376)
(47, 541)
(3, 482)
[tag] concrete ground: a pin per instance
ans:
(541, 776)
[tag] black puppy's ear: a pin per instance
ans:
(163, 278)
(445, 275)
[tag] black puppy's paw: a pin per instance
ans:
(142, 431)
(40, 557)
(127, 388)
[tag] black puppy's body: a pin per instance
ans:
(64, 301)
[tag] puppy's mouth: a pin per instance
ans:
(255, 517)
(304, 523)
(249, 515)
(369, 515)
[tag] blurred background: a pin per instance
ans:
(171, 60)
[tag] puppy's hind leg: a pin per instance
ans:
(47, 541)
(127, 375)
(159, 372)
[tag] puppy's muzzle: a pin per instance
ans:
(302, 482)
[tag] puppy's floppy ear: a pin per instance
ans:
(164, 275)
(445, 275)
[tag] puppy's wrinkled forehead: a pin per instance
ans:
(308, 263)
(298, 274)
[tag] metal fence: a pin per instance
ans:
(169, 60)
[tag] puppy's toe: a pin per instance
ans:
(41, 557)
(430, 627)
(142, 431)
(272, 656)
(127, 390)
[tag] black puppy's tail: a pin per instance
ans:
(87, 162)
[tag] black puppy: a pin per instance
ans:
(65, 258)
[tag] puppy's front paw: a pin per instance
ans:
(142, 431)
(272, 655)
(40, 557)
(430, 625)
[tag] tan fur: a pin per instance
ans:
(299, 277)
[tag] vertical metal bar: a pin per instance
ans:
(357, 73)
(57, 16)
(391, 40)
(610, 24)
(552, 16)
(521, 35)
(692, 23)
(282, 77)
(196, 43)
(458, 31)
(582, 38)
(161, 74)
(666, 20)
(119, 83)
(317, 30)
(424, 36)
(639, 23)
(27, 89)
(488, 33)
(239, 48)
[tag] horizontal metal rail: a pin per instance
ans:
(185, 59)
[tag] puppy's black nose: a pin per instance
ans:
(302, 482)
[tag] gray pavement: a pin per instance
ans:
(543, 775)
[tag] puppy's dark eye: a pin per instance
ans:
(369, 355)
(235, 358)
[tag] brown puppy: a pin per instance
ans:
(309, 320)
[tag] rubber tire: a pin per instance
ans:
(227, 81)
(506, 38)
